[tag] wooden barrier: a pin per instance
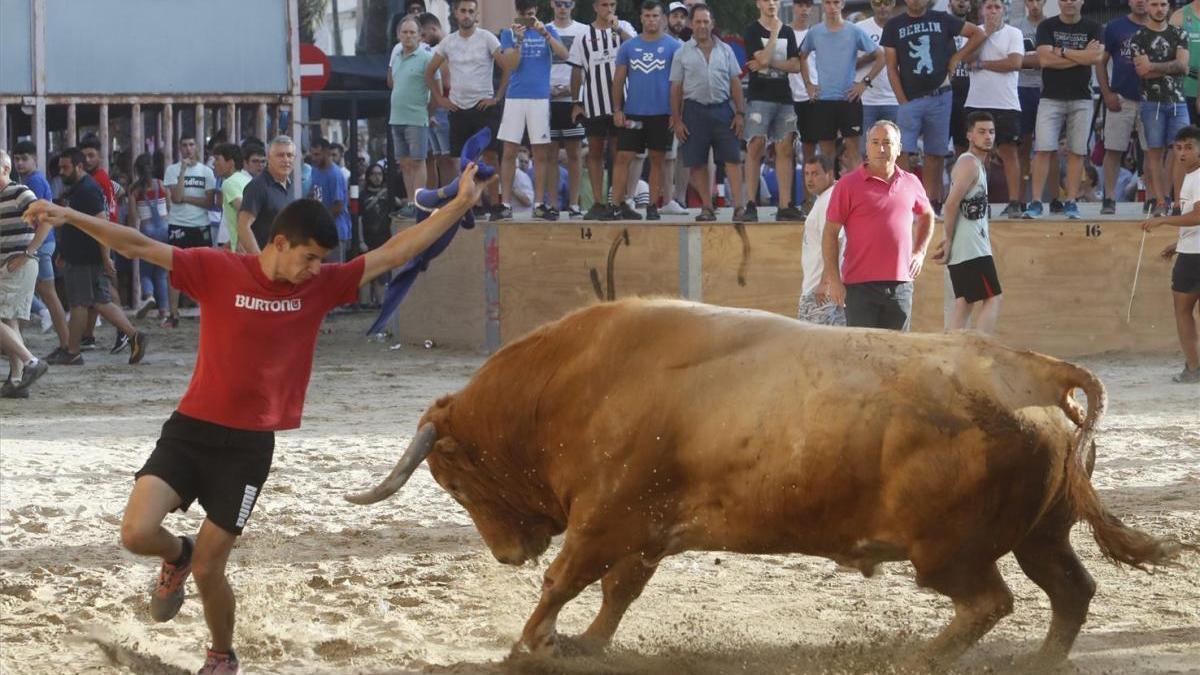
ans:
(1066, 284)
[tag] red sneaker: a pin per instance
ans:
(167, 596)
(220, 664)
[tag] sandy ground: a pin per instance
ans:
(407, 585)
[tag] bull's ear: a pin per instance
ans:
(446, 445)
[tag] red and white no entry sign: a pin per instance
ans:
(314, 69)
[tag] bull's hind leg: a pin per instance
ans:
(622, 584)
(981, 599)
(1047, 558)
(574, 568)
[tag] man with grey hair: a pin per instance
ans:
(265, 196)
(19, 243)
(875, 205)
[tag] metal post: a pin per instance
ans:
(39, 130)
(260, 123)
(4, 128)
(294, 79)
(231, 125)
(39, 80)
(104, 147)
(168, 133)
(71, 131)
(201, 131)
(137, 134)
(352, 185)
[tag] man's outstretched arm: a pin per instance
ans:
(125, 240)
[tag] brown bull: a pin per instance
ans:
(646, 428)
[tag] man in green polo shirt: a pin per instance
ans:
(411, 106)
(227, 164)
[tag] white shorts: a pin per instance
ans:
(522, 114)
(16, 289)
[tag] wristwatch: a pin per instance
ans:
(31, 256)
(867, 80)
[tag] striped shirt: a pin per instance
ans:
(596, 54)
(15, 234)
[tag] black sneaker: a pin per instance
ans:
(1014, 210)
(555, 214)
(67, 359)
(31, 373)
(121, 344)
(788, 214)
(500, 213)
(170, 321)
(1186, 376)
(480, 211)
(1149, 205)
(10, 390)
(739, 214)
(1108, 207)
(53, 357)
(137, 347)
(1177, 210)
(707, 215)
(1056, 206)
(542, 212)
(595, 212)
(609, 213)
(574, 213)
(87, 343)
(749, 214)
(625, 212)
(652, 212)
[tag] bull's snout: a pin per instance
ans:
(521, 552)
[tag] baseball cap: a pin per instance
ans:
(677, 7)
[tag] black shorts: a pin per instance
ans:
(466, 123)
(223, 468)
(806, 121)
(655, 134)
(561, 125)
(831, 118)
(1008, 124)
(189, 237)
(1185, 276)
(958, 115)
(975, 279)
(599, 127)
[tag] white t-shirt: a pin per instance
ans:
(560, 70)
(198, 180)
(997, 90)
(470, 66)
(811, 257)
(1189, 194)
(880, 92)
(799, 92)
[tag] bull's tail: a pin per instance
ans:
(1119, 543)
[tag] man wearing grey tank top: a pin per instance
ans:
(967, 249)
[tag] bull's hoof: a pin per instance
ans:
(547, 647)
(559, 646)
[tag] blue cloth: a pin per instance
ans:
(427, 201)
(329, 186)
(305, 178)
(531, 79)
(37, 182)
(1124, 80)
(648, 74)
(837, 52)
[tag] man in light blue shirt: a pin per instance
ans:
(837, 101)
(644, 121)
(526, 52)
(329, 187)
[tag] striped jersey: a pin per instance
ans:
(15, 234)
(595, 53)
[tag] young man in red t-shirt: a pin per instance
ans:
(263, 312)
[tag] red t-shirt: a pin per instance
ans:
(878, 218)
(110, 193)
(257, 337)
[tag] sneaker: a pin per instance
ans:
(652, 212)
(53, 356)
(217, 663)
(137, 348)
(749, 214)
(121, 343)
(739, 214)
(596, 211)
(1013, 210)
(1056, 206)
(1108, 207)
(554, 213)
(46, 320)
(1186, 376)
(148, 303)
(626, 212)
(1149, 205)
(480, 211)
(172, 321)
(499, 213)
(31, 373)
(673, 208)
(1163, 209)
(1034, 210)
(167, 596)
(87, 343)
(574, 213)
(1176, 210)
(609, 213)
(1071, 210)
(66, 358)
(707, 215)
(788, 214)
(542, 212)
(10, 390)
(407, 212)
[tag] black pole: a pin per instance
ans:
(352, 189)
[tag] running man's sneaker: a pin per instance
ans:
(10, 390)
(1071, 210)
(121, 343)
(673, 208)
(1186, 376)
(1013, 210)
(1034, 210)
(788, 214)
(47, 322)
(137, 347)
(500, 213)
(749, 214)
(218, 663)
(596, 211)
(1108, 207)
(87, 343)
(31, 373)
(148, 303)
(652, 212)
(1056, 206)
(167, 596)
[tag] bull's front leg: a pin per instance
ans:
(622, 584)
(576, 567)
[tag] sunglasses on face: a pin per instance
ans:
(565, 5)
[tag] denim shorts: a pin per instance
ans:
(776, 121)
(708, 128)
(410, 141)
(46, 261)
(439, 136)
(873, 113)
(1055, 116)
(1161, 122)
(926, 118)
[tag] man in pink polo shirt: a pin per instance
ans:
(876, 205)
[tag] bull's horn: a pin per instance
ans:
(416, 453)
